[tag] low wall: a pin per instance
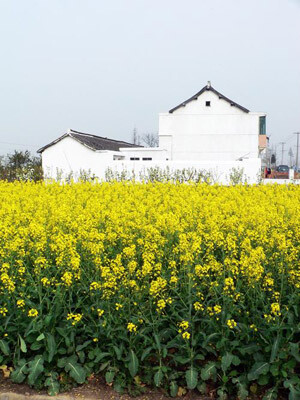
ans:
(222, 172)
(281, 181)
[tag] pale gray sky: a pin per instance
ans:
(104, 67)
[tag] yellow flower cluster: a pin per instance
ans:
(131, 327)
(231, 323)
(148, 252)
(75, 318)
(33, 313)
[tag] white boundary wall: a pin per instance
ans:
(219, 172)
(68, 158)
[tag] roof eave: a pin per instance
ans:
(209, 88)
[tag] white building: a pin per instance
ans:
(210, 127)
(206, 132)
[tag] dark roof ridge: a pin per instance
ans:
(209, 87)
(101, 137)
(93, 142)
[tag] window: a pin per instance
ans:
(262, 125)
(207, 103)
(134, 158)
(147, 158)
(118, 157)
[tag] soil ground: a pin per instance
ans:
(95, 389)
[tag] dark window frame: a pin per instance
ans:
(262, 125)
(207, 103)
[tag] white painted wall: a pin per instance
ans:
(155, 153)
(220, 171)
(70, 156)
(220, 132)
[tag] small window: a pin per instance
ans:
(207, 103)
(134, 158)
(262, 125)
(147, 159)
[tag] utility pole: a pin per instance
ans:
(282, 151)
(297, 149)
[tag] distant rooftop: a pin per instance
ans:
(93, 142)
(208, 87)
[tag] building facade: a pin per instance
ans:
(208, 132)
(210, 127)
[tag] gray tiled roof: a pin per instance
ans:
(92, 141)
(209, 88)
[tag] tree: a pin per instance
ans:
(19, 159)
(273, 159)
(135, 137)
(21, 166)
(150, 139)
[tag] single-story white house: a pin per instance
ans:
(208, 131)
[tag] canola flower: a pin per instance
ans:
(172, 258)
(33, 313)
(131, 327)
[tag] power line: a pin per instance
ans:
(20, 144)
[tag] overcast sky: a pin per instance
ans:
(104, 67)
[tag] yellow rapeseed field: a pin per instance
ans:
(161, 283)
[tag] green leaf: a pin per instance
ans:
(242, 389)
(249, 349)
(19, 374)
(199, 357)
(109, 376)
(52, 384)
(191, 377)
(263, 380)
(4, 347)
(40, 337)
(133, 365)
(294, 380)
(275, 348)
(222, 395)
(226, 361)
(294, 394)
(51, 346)
(208, 371)
(62, 332)
(35, 368)
(83, 346)
(271, 394)
(294, 350)
(75, 370)
(81, 356)
(158, 377)
(103, 366)
(100, 357)
(157, 341)
(236, 361)
(258, 369)
(118, 387)
(173, 389)
(118, 352)
(182, 360)
(146, 352)
(61, 363)
(36, 346)
(202, 387)
(23, 345)
(274, 369)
